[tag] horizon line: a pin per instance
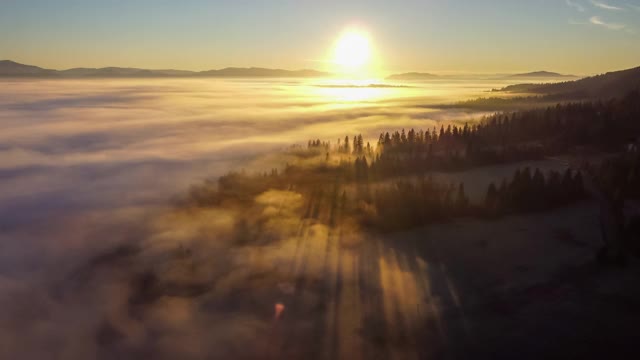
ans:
(387, 72)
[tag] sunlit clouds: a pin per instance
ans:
(596, 20)
(605, 6)
(605, 15)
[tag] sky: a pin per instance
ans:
(466, 36)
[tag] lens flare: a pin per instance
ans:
(279, 309)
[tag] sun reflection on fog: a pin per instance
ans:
(353, 90)
(352, 94)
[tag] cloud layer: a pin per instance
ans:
(596, 20)
(624, 15)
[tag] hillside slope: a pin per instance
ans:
(609, 85)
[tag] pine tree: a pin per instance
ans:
(491, 199)
(566, 186)
(462, 201)
(504, 200)
(578, 187)
(411, 136)
(537, 190)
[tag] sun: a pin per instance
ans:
(352, 52)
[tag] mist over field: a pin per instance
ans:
(89, 166)
(129, 141)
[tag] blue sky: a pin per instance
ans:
(577, 36)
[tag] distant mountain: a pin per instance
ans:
(541, 74)
(412, 76)
(123, 72)
(13, 69)
(609, 85)
(108, 72)
(262, 72)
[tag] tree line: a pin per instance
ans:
(527, 191)
(501, 138)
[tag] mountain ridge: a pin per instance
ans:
(10, 68)
(412, 76)
(541, 74)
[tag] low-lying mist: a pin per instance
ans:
(100, 257)
(76, 143)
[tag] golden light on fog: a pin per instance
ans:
(352, 52)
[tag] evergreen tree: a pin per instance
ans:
(462, 201)
(567, 186)
(491, 199)
(537, 190)
(578, 187)
(503, 201)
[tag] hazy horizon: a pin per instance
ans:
(337, 75)
(578, 36)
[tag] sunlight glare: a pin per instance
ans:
(352, 52)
